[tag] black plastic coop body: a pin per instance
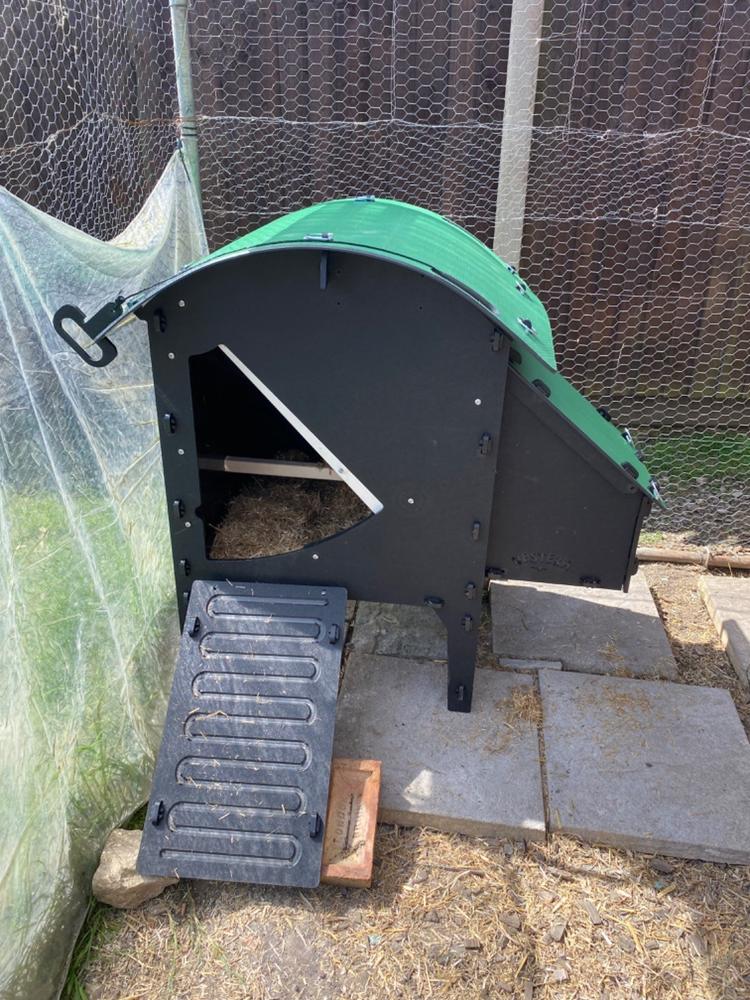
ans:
(399, 356)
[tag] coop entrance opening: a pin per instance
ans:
(268, 484)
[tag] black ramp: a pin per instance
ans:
(241, 783)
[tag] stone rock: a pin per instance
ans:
(116, 881)
(399, 630)
(663, 867)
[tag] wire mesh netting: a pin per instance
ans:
(635, 217)
(635, 224)
(87, 107)
(636, 235)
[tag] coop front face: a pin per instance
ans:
(384, 355)
(334, 363)
(357, 401)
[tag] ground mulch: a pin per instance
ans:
(452, 916)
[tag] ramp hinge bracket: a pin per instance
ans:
(157, 812)
(316, 826)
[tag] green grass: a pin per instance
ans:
(685, 458)
(95, 931)
(90, 657)
(651, 537)
(136, 821)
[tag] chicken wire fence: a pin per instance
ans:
(88, 110)
(626, 180)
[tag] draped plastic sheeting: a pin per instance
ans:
(87, 621)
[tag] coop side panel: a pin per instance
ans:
(563, 512)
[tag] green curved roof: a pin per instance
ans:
(397, 231)
(428, 241)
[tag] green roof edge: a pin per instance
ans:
(401, 232)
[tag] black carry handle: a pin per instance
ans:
(98, 322)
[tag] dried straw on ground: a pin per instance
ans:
(461, 918)
(448, 917)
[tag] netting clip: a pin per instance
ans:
(105, 317)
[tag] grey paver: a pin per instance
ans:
(598, 631)
(728, 601)
(475, 773)
(399, 630)
(648, 765)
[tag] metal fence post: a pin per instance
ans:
(178, 10)
(518, 120)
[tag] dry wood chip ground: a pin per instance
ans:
(450, 916)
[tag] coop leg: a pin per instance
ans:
(462, 652)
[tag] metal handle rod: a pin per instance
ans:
(526, 21)
(178, 11)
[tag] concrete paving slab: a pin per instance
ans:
(477, 773)
(399, 630)
(647, 765)
(589, 630)
(728, 601)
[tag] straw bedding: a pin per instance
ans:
(271, 516)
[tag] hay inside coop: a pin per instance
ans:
(272, 515)
(265, 487)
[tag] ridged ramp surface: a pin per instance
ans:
(241, 782)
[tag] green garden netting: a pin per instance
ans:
(88, 619)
